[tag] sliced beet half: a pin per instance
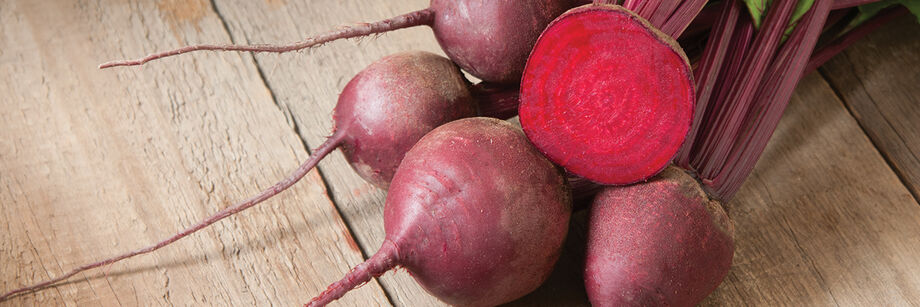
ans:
(606, 95)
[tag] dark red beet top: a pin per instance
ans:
(606, 95)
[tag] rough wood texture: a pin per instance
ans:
(98, 162)
(822, 220)
(95, 163)
(879, 80)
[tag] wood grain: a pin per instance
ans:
(822, 221)
(879, 80)
(94, 163)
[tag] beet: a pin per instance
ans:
(489, 39)
(659, 243)
(391, 104)
(475, 213)
(492, 39)
(606, 95)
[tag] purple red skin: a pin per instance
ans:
(606, 95)
(659, 243)
(492, 39)
(475, 213)
(480, 214)
(387, 107)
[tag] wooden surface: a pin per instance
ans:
(94, 163)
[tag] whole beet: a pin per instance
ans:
(658, 243)
(475, 213)
(492, 39)
(387, 107)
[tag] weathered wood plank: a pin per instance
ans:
(307, 85)
(823, 220)
(94, 163)
(879, 80)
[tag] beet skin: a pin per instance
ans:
(492, 39)
(475, 213)
(659, 243)
(391, 104)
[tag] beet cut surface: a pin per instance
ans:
(606, 95)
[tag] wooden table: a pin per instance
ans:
(93, 163)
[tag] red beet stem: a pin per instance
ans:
(770, 102)
(705, 20)
(682, 17)
(331, 143)
(647, 8)
(384, 260)
(728, 120)
(708, 70)
(664, 10)
(408, 20)
(631, 5)
(840, 43)
(843, 4)
(731, 69)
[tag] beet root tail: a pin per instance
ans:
(384, 260)
(330, 144)
(408, 20)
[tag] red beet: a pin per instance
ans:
(391, 104)
(489, 39)
(606, 95)
(659, 243)
(475, 213)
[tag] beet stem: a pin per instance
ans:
(330, 144)
(682, 17)
(647, 8)
(379, 263)
(707, 72)
(706, 19)
(843, 4)
(728, 120)
(827, 52)
(771, 99)
(631, 5)
(408, 20)
(740, 43)
(497, 101)
(663, 12)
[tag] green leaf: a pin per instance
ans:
(868, 11)
(758, 10)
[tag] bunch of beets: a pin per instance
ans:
(615, 118)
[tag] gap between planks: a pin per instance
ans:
(292, 122)
(841, 99)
